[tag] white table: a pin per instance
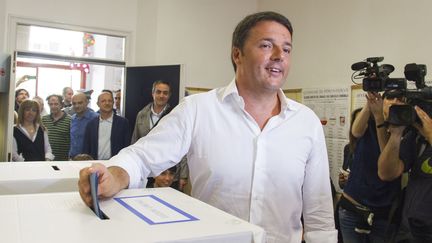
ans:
(62, 217)
(40, 177)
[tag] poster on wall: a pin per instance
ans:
(359, 98)
(332, 106)
(335, 148)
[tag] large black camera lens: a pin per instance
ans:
(401, 115)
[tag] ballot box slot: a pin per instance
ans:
(55, 167)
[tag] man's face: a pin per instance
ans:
(161, 95)
(68, 96)
(265, 59)
(79, 103)
(22, 95)
(165, 179)
(117, 100)
(105, 103)
(54, 105)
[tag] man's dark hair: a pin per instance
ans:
(161, 82)
(241, 32)
(19, 90)
(107, 91)
(59, 97)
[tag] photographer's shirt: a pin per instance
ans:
(363, 184)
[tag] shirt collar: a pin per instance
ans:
(160, 113)
(109, 119)
(23, 129)
(286, 104)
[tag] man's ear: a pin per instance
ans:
(235, 54)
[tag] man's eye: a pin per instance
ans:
(287, 50)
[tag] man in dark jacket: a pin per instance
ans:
(108, 133)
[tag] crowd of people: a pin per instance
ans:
(73, 131)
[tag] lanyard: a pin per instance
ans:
(153, 123)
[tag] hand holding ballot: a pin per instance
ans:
(110, 181)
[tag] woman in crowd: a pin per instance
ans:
(30, 137)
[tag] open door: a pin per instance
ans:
(138, 87)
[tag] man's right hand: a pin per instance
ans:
(108, 185)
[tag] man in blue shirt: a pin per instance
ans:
(79, 122)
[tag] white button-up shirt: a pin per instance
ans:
(104, 138)
(267, 177)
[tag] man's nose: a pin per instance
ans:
(277, 54)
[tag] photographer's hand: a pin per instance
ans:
(375, 103)
(426, 128)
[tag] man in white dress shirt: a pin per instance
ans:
(251, 151)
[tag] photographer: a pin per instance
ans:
(410, 150)
(366, 201)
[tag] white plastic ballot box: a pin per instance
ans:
(40, 177)
(135, 216)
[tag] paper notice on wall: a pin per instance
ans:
(332, 106)
(335, 149)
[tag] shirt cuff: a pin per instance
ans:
(49, 156)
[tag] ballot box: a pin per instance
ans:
(40, 177)
(135, 215)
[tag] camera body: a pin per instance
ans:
(375, 78)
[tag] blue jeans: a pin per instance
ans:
(349, 220)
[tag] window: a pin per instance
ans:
(49, 59)
(69, 43)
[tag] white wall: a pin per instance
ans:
(196, 33)
(2, 24)
(331, 35)
(146, 32)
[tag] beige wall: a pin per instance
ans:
(196, 33)
(331, 35)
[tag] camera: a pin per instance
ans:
(375, 78)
